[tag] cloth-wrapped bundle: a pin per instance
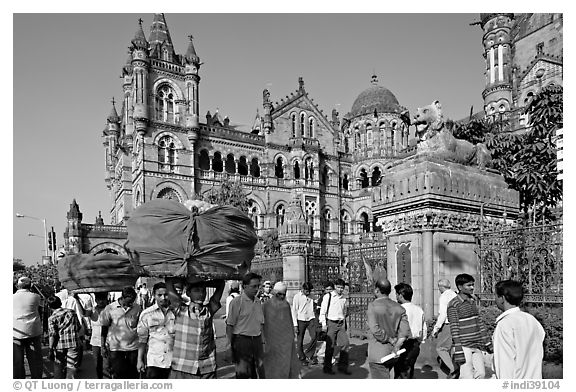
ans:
(88, 273)
(166, 239)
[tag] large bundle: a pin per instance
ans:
(96, 273)
(166, 240)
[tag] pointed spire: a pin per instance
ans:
(139, 40)
(257, 122)
(300, 84)
(74, 212)
(159, 33)
(113, 116)
(191, 55)
(99, 220)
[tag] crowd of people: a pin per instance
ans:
(169, 332)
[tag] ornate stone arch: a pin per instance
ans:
(176, 139)
(108, 247)
(359, 169)
(165, 81)
(165, 187)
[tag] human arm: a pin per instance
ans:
(453, 319)
(143, 331)
(324, 310)
(504, 351)
(403, 332)
(53, 337)
(217, 296)
(294, 309)
(105, 321)
(378, 333)
(442, 315)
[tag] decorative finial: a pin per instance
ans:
(374, 78)
(113, 101)
(140, 21)
(191, 37)
(300, 83)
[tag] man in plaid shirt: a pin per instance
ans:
(194, 354)
(468, 331)
(64, 340)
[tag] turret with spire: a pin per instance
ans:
(73, 232)
(192, 66)
(140, 62)
(159, 40)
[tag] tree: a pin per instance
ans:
(229, 194)
(271, 242)
(17, 265)
(527, 161)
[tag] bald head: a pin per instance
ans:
(384, 286)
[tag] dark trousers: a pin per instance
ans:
(32, 348)
(123, 364)
(248, 354)
(102, 364)
(404, 367)
(157, 372)
(312, 327)
(336, 335)
(379, 370)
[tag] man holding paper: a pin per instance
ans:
(389, 329)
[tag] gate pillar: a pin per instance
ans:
(428, 274)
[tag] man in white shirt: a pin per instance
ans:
(441, 329)
(332, 317)
(234, 292)
(518, 337)
(404, 367)
(303, 318)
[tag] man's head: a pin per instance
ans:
(509, 294)
(179, 286)
(160, 293)
(24, 283)
(443, 285)
(197, 292)
(465, 284)
(234, 287)
(279, 290)
(251, 284)
(328, 286)
(307, 288)
(267, 287)
(54, 302)
(383, 287)
(101, 299)
(404, 292)
(128, 297)
(339, 286)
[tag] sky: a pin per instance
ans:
(66, 70)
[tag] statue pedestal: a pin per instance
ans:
(430, 210)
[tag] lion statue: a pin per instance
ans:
(437, 140)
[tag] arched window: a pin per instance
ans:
(279, 168)
(138, 199)
(296, 170)
(204, 160)
(364, 183)
(345, 222)
(302, 124)
(293, 121)
(325, 176)
(230, 165)
(280, 211)
(345, 182)
(376, 176)
(326, 221)
(311, 127)
(346, 144)
(357, 139)
(165, 99)
(169, 194)
(166, 153)
(364, 223)
(254, 168)
(254, 214)
(242, 166)
(308, 169)
(217, 164)
(369, 137)
(390, 141)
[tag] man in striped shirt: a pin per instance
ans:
(468, 331)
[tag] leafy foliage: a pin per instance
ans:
(18, 265)
(44, 277)
(528, 160)
(230, 194)
(271, 242)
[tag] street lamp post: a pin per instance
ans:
(43, 220)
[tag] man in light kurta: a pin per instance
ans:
(518, 337)
(280, 358)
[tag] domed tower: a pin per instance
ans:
(498, 54)
(374, 130)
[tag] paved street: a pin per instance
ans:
(426, 366)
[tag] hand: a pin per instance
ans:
(140, 366)
(297, 329)
(435, 334)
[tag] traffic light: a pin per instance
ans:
(52, 240)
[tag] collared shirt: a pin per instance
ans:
(416, 320)
(64, 326)
(122, 323)
(69, 302)
(338, 307)
(302, 308)
(443, 302)
(518, 345)
(26, 317)
(194, 342)
(229, 299)
(96, 338)
(386, 319)
(466, 327)
(245, 316)
(157, 330)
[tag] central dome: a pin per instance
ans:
(376, 98)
